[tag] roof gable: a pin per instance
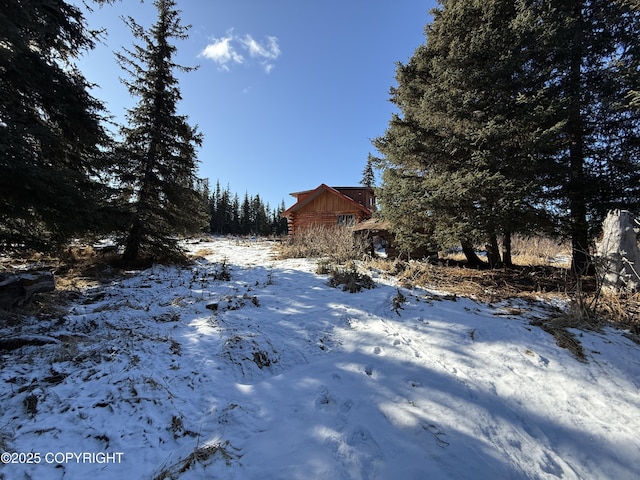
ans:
(310, 196)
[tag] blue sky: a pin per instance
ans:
(288, 94)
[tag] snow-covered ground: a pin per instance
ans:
(285, 377)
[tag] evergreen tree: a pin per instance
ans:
(245, 215)
(258, 217)
(235, 216)
(214, 202)
(50, 131)
(498, 108)
(281, 225)
(158, 154)
(589, 52)
(460, 149)
(368, 176)
(203, 206)
(225, 214)
(252, 217)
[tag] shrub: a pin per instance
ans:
(351, 280)
(338, 244)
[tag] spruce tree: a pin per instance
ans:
(589, 52)
(225, 214)
(234, 229)
(368, 175)
(158, 153)
(258, 217)
(515, 114)
(460, 148)
(203, 212)
(281, 223)
(217, 210)
(50, 130)
(246, 219)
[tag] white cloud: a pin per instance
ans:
(224, 51)
(269, 50)
(266, 52)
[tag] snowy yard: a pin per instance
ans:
(184, 374)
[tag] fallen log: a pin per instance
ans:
(17, 289)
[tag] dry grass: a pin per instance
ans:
(558, 327)
(338, 244)
(529, 251)
(350, 279)
(620, 310)
(201, 454)
(483, 285)
(625, 308)
(540, 251)
(203, 252)
(541, 271)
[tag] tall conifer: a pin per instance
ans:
(460, 147)
(368, 175)
(158, 152)
(50, 132)
(514, 114)
(589, 52)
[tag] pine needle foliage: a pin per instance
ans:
(50, 130)
(515, 117)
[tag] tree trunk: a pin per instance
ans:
(579, 228)
(133, 243)
(493, 252)
(16, 290)
(506, 250)
(473, 260)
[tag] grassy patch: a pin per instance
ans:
(338, 244)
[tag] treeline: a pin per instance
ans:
(251, 216)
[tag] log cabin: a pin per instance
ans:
(329, 206)
(350, 207)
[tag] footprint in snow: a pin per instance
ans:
(336, 411)
(323, 397)
(366, 449)
(357, 451)
(346, 406)
(550, 466)
(437, 433)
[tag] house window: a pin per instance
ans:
(346, 220)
